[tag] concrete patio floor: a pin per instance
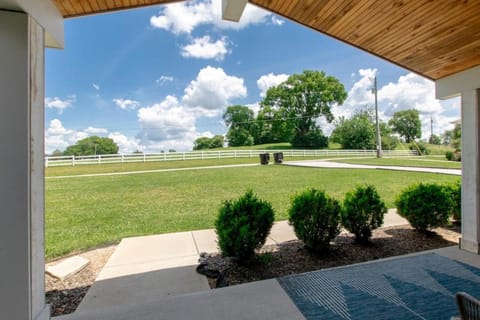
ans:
(159, 270)
(257, 300)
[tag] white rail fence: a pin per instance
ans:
(53, 161)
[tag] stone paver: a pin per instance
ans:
(68, 267)
(281, 232)
(392, 218)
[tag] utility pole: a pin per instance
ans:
(431, 129)
(377, 123)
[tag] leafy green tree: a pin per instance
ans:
(240, 121)
(208, 143)
(239, 137)
(407, 124)
(389, 141)
(57, 153)
(201, 143)
(217, 141)
(358, 132)
(454, 137)
(434, 139)
(300, 100)
(92, 145)
(270, 127)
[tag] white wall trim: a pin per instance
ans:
(457, 83)
(45, 13)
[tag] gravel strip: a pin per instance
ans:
(65, 296)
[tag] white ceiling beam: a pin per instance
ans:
(232, 10)
(45, 13)
(457, 83)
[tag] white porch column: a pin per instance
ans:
(21, 168)
(470, 171)
(467, 84)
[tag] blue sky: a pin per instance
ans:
(157, 78)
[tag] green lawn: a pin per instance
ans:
(87, 212)
(159, 165)
(428, 161)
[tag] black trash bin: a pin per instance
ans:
(264, 157)
(278, 157)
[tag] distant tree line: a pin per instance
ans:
(288, 113)
(89, 146)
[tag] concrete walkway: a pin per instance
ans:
(261, 300)
(152, 268)
(338, 165)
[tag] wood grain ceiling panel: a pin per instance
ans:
(75, 8)
(434, 38)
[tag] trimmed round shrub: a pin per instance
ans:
(425, 206)
(453, 156)
(362, 212)
(449, 155)
(243, 225)
(454, 190)
(315, 218)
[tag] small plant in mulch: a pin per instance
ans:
(455, 192)
(243, 225)
(425, 205)
(363, 211)
(315, 217)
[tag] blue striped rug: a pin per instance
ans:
(418, 287)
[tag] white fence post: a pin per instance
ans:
(183, 156)
(73, 160)
(144, 157)
(123, 160)
(46, 162)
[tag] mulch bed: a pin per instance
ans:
(292, 257)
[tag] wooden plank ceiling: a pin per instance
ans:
(434, 38)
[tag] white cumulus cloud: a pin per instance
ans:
(166, 120)
(95, 131)
(164, 79)
(126, 104)
(184, 17)
(410, 91)
(60, 104)
(57, 137)
(205, 48)
(265, 82)
(125, 144)
(211, 92)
